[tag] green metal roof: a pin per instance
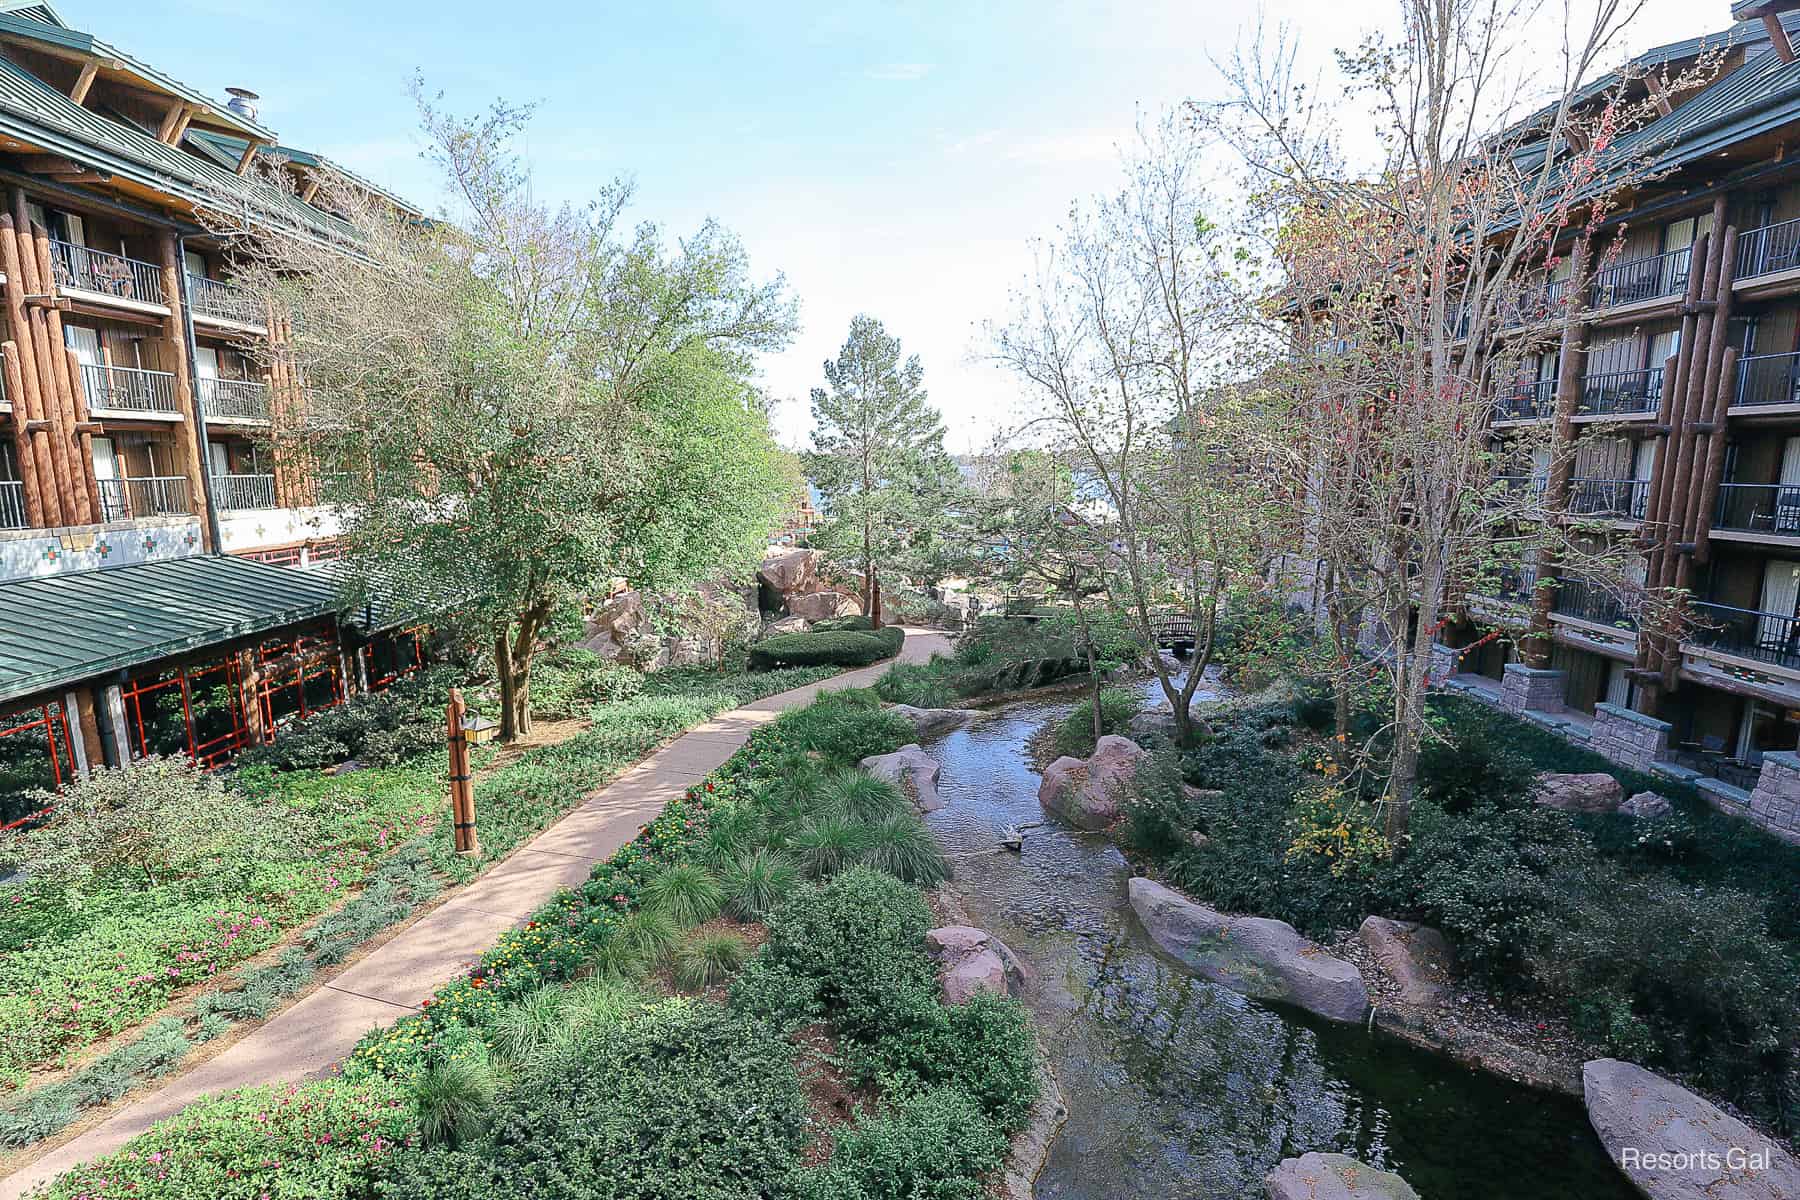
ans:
(17, 23)
(33, 111)
(61, 629)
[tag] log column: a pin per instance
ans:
(175, 341)
(24, 384)
(1539, 639)
(36, 332)
(64, 374)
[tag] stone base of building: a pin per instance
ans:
(1775, 804)
(1531, 689)
(1629, 738)
(1445, 662)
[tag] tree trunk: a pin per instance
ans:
(1087, 644)
(512, 667)
(873, 605)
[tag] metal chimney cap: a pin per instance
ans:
(242, 93)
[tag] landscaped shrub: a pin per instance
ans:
(930, 684)
(842, 727)
(841, 648)
(1672, 942)
(934, 1145)
(1117, 706)
(855, 621)
(685, 1100)
(325, 1140)
(568, 683)
(378, 729)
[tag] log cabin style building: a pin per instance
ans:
(150, 600)
(1673, 414)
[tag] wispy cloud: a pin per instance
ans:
(899, 72)
(1090, 146)
(973, 141)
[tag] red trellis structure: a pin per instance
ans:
(295, 677)
(404, 654)
(50, 723)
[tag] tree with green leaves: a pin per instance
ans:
(878, 459)
(515, 403)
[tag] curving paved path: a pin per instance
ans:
(305, 1039)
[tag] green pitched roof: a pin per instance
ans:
(62, 629)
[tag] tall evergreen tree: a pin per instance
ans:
(878, 458)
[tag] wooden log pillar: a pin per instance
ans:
(249, 682)
(462, 787)
(39, 461)
(36, 332)
(1538, 639)
(87, 728)
(175, 342)
(21, 433)
(64, 374)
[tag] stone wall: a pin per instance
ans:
(1445, 662)
(1629, 738)
(1531, 689)
(1775, 804)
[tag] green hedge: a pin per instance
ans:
(840, 648)
(855, 622)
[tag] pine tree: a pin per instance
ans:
(878, 458)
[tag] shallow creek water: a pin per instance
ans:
(1177, 1088)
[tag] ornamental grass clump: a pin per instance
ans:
(708, 959)
(901, 845)
(452, 1096)
(685, 893)
(756, 883)
(859, 797)
(828, 845)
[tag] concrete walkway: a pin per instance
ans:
(306, 1039)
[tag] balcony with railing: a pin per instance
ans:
(1526, 400)
(12, 504)
(234, 399)
(78, 268)
(1641, 279)
(145, 496)
(1534, 303)
(1768, 249)
(1766, 379)
(1620, 499)
(129, 390)
(1514, 487)
(1772, 508)
(1621, 393)
(220, 300)
(235, 492)
(1589, 602)
(1747, 633)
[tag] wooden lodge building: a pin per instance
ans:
(155, 595)
(1674, 410)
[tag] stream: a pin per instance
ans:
(1178, 1088)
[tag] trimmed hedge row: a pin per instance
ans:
(836, 647)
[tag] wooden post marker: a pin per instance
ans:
(462, 789)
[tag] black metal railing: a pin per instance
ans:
(1533, 304)
(1747, 633)
(128, 389)
(1516, 585)
(145, 496)
(214, 298)
(12, 504)
(1511, 486)
(1624, 499)
(234, 399)
(1759, 508)
(1588, 602)
(1526, 400)
(1768, 249)
(1621, 393)
(1768, 379)
(108, 274)
(244, 491)
(1642, 278)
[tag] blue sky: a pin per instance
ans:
(889, 158)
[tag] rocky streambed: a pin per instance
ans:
(1177, 1085)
